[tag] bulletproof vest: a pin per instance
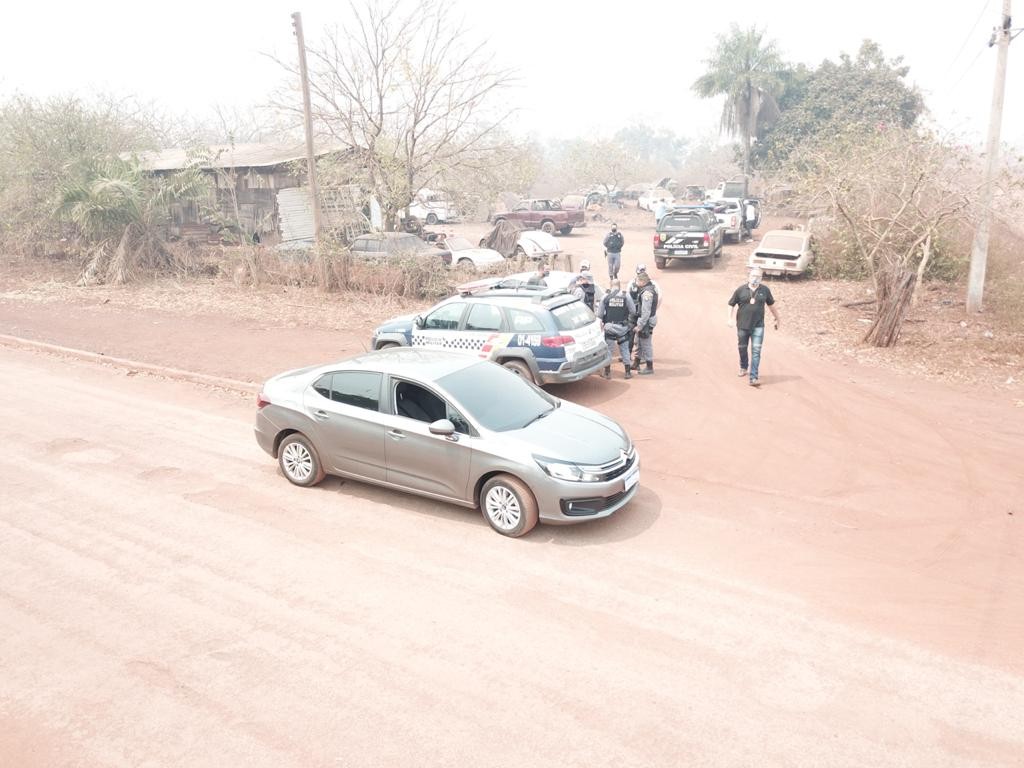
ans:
(588, 295)
(615, 308)
(615, 242)
(654, 298)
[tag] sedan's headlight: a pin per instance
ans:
(560, 470)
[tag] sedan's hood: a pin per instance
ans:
(575, 435)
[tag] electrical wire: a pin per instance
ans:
(967, 39)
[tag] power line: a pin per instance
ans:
(969, 68)
(967, 39)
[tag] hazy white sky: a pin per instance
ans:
(586, 67)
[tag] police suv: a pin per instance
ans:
(543, 334)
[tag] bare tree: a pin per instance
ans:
(894, 194)
(407, 92)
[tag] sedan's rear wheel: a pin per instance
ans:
(509, 505)
(299, 460)
(466, 265)
(519, 368)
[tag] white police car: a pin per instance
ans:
(545, 335)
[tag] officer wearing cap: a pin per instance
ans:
(634, 291)
(584, 289)
(617, 313)
(647, 309)
(613, 243)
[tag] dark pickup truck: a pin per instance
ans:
(688, 233)
(546, 215)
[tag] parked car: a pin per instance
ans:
(546, 215)
(432, 208)
(449, 428)
(651, 197)
(634, 191)
(730, 215)
(467, 256)
(688, 234)
(532, 244)
(543, 334)
(783, 252)
(726, 190)
(396, 245)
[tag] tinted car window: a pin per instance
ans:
(483, 317)
(498, 399)
(444, 318)
(358, 388)
(682, 222)
(323, 385)
(524, 322)
(569, 317)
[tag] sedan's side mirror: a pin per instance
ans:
(443, 427)
(417, 322)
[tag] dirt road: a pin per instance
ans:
(825, 572)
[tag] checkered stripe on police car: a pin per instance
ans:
(459, 342)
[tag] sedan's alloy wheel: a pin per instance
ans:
(297, 462)
(503, 508)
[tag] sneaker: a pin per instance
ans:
(743, 372)
(755, 383)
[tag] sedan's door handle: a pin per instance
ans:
(396, 434)
(321, 414)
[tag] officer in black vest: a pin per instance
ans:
(585, 290)
(617, 313)
(643, 350)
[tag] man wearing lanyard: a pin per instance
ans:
(746, 312)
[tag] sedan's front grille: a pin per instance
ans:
(612, 469)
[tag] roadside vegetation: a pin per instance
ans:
(412, 101)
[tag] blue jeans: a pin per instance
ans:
(755, 338)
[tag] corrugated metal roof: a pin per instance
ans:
(295, 213)
(228, 156)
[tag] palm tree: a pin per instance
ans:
(745, 69)
(119, 211)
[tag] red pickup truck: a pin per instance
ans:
(542, 214)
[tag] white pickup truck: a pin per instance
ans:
(431, 208)
(739, 216)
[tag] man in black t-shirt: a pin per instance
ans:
(746, 312)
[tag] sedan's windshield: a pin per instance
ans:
(458, 244)
(496, 398)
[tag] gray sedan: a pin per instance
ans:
(446, 426)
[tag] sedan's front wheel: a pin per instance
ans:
(299, 460)
(509, 505)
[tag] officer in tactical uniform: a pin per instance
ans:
(643, 349)
(613, 243)
(617, 313)
(585, 290)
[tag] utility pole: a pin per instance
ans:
(307, 110)
(979, 250)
